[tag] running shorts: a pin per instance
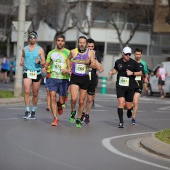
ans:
(126, 93)
(81, 81)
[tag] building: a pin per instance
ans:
(110, 22)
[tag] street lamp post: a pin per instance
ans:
(20, 45)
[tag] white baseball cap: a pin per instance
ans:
(127, 50)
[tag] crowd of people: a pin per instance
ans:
(76, 72)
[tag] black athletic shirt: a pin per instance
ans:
(123, 80)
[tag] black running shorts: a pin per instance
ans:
(126, 93)
(82, 81)
(34, 80)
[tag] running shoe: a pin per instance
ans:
(27, 115)
(87, 120)
(60, 108)
(129, 113)
(47, 109)
(32, 115)
(134, 121)
(64, 105)
(78, 123)
(83, 117)
(120, 125)
(72, 117)
(55, 122)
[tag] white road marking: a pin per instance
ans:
(9, 119)
(107, 144)
(164, 108)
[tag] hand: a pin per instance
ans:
(37, 61)
(129, 73)
(21, 64)
(110, 73)
(64, 71)
(43, 70)
(145, 80)
(88, 61)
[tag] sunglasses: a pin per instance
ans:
(127, 54)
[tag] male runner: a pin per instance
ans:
(82, 59)
(126, 69)
(33, 58)
(59, 74)
(139, 83)
(93, 83)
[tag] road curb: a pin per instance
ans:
(11, 100)
(154, 145)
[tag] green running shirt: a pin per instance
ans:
(58, 61)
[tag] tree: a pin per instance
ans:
(118, 14)
(55, 13)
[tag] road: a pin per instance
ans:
(100, 145)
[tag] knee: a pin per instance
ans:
(121, 104)
(90, 100)
(35, 94)
(81, 102)
(27, 92)
(53, 99)
(135, 102)
(73, 100)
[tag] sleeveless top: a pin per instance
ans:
(6, 65)
(30, 60)
(78, 67)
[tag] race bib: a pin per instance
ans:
(57, 67)
(124, 81)
(138, 78)
(32, 74)
(80, 68)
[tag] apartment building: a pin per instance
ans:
(101, 20)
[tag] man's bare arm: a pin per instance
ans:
(112, 72)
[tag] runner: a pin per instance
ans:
(82, 58)
(59, 74)
(126, 69)
(32, 59)
(161, 74)
(139, 83)
(93, 84)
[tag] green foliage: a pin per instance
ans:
(9, 94)
(163, 135)
(6, 94)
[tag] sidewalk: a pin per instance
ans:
(149, 143)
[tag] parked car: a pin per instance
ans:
(153, 81)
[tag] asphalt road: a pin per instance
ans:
(36, 145)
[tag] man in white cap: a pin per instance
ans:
(126, 69)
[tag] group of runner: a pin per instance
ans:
(80, 67)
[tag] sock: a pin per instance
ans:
(87, 115)
(34, 108)
(27, 108)
(120, 114)
(59, 104)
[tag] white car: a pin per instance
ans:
(153, 81)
